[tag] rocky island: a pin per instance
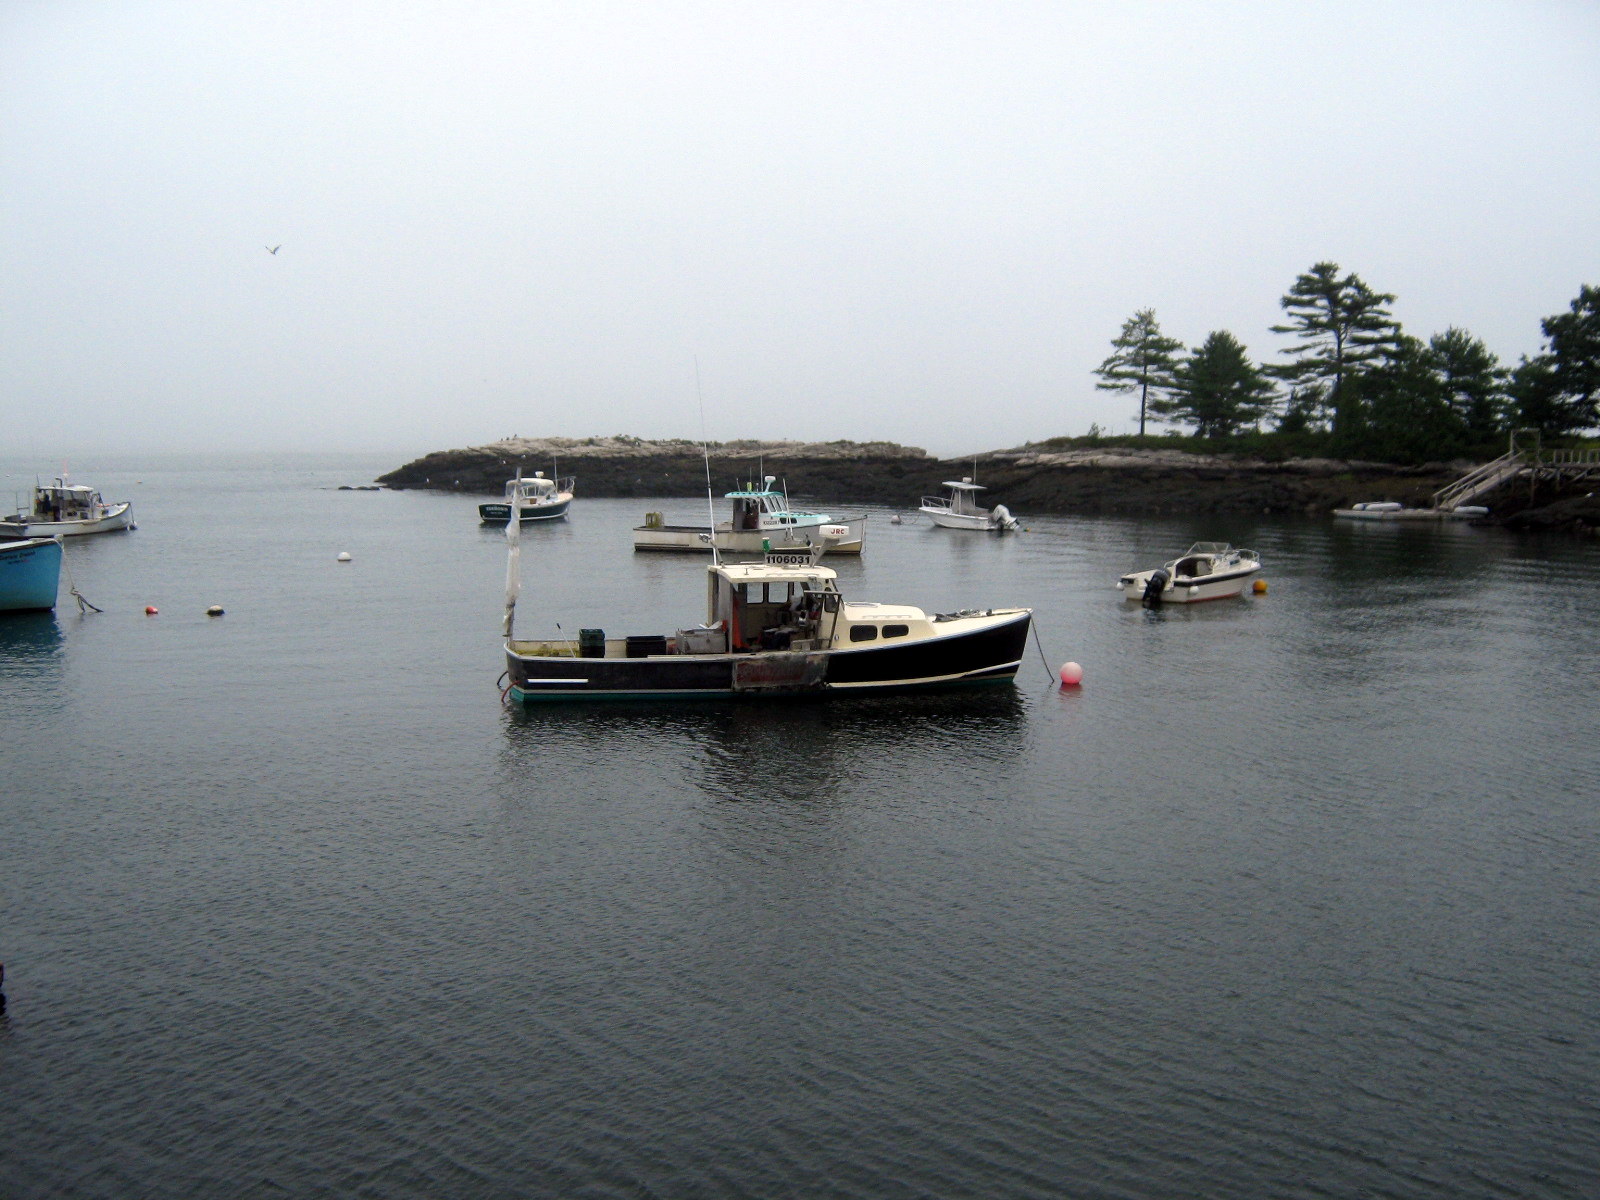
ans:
(1047, 477)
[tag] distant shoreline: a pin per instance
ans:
(1086, 481)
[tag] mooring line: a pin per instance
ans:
(1034, 626)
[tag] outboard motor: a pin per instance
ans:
(1003, 520)
(1157, 584)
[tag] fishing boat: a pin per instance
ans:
(1205, 571)
(773, 628)
(762, 521)
(960, 510)
(30, 573)
(536, 498)
(62, 509)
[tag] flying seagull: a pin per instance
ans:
(274, 249)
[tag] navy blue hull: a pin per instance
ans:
(985, 656)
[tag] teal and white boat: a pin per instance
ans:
(30, 573)
(762, 521)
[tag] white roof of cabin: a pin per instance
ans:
(963, 486)
(869, 610)
(772, 573)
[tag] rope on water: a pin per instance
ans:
(1034, 627)
(72, 585)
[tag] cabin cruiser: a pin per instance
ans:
(776, 627)
(62, 509)
(959, 509)
(540, 499)
(762, 521)
(1205, 571)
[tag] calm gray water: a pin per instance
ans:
(1298, 896)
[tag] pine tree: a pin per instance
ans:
(1345, 329)
(1574, 338)
(1407, 415)
(1143, 360)
(1217, 389)
(1471, 379)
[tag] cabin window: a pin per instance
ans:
(890, 631)
(863, 633)
(765, 593)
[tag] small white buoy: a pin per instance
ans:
(214, 611)
(895, 520)
(344, 556)
(1071, 674)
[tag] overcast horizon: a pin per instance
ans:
(919, 223)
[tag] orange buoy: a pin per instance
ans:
(1259, 587)
(150, 610)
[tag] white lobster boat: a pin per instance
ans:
(1205, 571)
(62, 509)
(536, 498)
(762, 521)
(960, 510)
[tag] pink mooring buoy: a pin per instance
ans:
(1071, 674)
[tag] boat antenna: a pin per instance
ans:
(513, 554)
(705, 455)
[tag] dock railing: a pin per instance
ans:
(1480, 480)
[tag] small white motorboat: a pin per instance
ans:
(959, 510)
(1205, 571)
(62, 509)
(541, 499)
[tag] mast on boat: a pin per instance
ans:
(513, 554)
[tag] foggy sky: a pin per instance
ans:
(920, 222)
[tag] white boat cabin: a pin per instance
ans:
(771, 606)
(962, 500)
(759, 510)
(536, 489)
(62, 501)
